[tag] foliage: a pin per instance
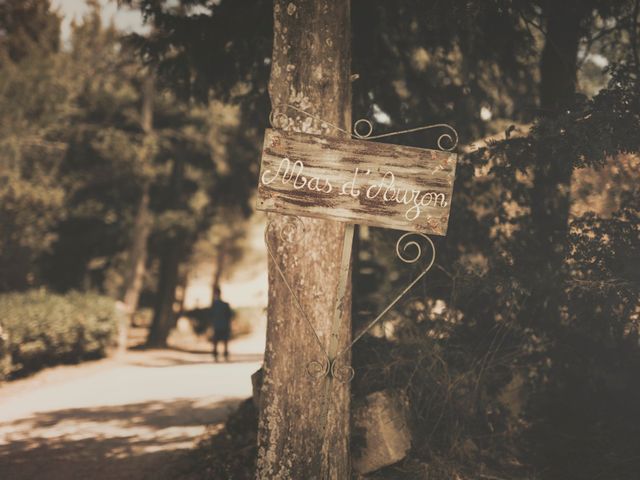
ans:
(513, 370)
(42, 329)
(27, 26)
(238, 36)
(494, 342)
(233, 68)
(30, 198)
(493, 395)
(74, 159)
(109, 159)
(497, 387)
(28, 211)
(500, 384)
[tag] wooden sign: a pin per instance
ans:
(356, 181)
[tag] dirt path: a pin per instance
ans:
(124, 418)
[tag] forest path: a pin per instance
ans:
(125, 418)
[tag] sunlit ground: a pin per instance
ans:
(134, 416)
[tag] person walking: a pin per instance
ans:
(221, 322)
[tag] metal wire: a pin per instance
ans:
(295, 227)
(278, 113)
(399, 249)
(335, 366)
(318, 369)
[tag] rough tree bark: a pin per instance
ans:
(142, 223)
(304, 423)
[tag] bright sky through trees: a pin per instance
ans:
(124, 18)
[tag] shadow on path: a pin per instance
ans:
(195, 358)
(135, 441)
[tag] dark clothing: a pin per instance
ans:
(221, 322)
(221, 316)
(221, 334)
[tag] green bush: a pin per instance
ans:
(40, 329)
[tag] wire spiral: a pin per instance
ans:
(318, 369)
(293, 230)
(408, 250)
(413, 244)
(341, 372)
(279, 119)
(402, 245)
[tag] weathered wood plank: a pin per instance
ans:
(356, 181)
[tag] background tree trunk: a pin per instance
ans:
(172, 254)
(164, 317)
(221, 255)
(551, 192)
(304, 423)
(558, 71)
(142, 223)
(138, 253)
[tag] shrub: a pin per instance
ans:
(40, 329)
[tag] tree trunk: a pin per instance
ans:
(138, 253)
(304, 423)
(552, 185)
(164, 318)
(142, 223)
(219, 268)
(172, 254)
(137, 265)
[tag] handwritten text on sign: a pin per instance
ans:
(356, 181)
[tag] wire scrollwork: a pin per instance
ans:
(317, 369)
(408, 251)
(408, 247)
(342, 372)
(291, 231)
(446, 142)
